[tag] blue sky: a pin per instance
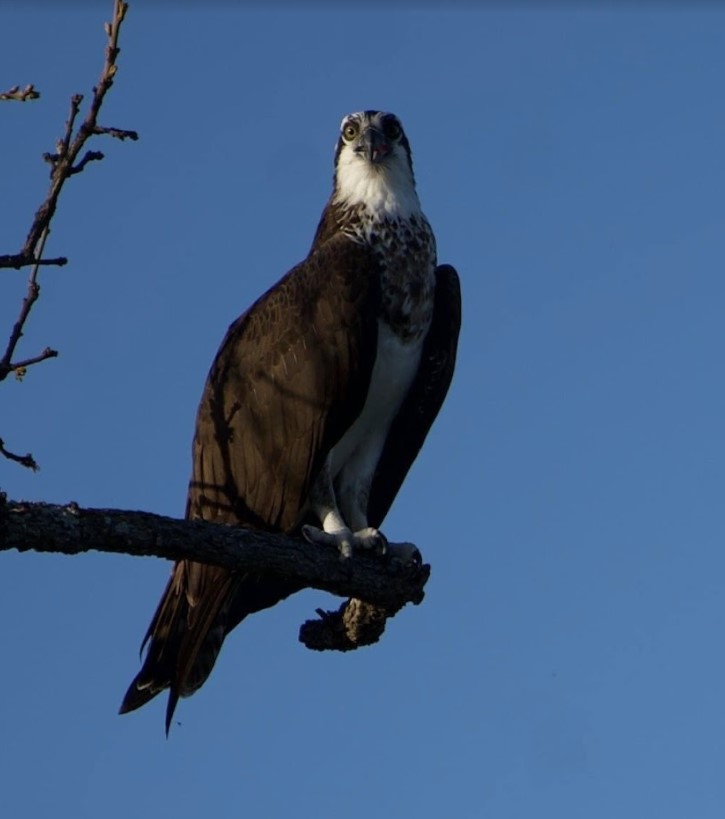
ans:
(569, 658)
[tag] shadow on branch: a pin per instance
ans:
(377, 587)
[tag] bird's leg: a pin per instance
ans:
(322, 502)
(335, 531)
(354, 495)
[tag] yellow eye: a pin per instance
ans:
(350, 131)
(391, 129)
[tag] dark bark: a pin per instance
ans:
(378, 586)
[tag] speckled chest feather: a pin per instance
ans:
(406, 252)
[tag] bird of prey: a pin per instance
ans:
(318, 401)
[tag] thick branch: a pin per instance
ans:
(385, 585)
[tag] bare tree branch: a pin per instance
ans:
(70, 145)
(24, 460)
(19, 367)
(64, 164)
(20, 94)
(355, 624)
(18, 260)
(385, 584)
(89, 156)
(6, 365)
(117, 133)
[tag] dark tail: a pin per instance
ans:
(184, 637)
(200, 606)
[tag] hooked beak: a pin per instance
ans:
(373, 145)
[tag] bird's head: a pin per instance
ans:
(373, 164)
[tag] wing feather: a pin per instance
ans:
(291, 375)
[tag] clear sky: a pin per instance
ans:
(569, 659)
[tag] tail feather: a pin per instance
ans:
(200, 606)
(156, 672)
(185, 636)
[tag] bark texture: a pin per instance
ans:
(378, 587)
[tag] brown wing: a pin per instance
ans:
(426, 396)
(290, 377)
(328, 226)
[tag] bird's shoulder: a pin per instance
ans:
(337, 282)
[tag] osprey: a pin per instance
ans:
(318, 401)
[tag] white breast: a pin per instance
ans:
(355, 457)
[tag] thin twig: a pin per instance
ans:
(18, 260)
(31, 297)
(118, 133)
(89, 156)
(64, 164)
(75, 106)
(24, 460)
(70, 146)
(20, 94)
(48, 352)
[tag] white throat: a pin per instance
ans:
(386, 190)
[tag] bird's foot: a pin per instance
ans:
(371, 540)
(347, 541)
